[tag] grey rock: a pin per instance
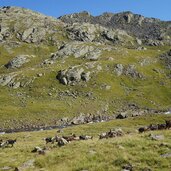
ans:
(134, 24)
(119, 69)
(6, 168)
(139, 41)
(5, 80)
(18, 61)
(95, 33)
(129, 70)
(78, 50)
(84, 32)
(94, 55)
(151, 42)
(16, 85)
(166, 59)
(167, 155)
(156, 137)
(85, 76)
(78, 120)
(73, 76)
(27, 33)
(1, 37)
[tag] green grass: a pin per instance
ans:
(32, 104)
(107, 154)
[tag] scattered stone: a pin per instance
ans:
(119, 69)
(156, 137)
(6, 168)
(166, 155)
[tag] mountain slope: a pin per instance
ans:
(52, 69)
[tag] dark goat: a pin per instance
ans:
(11, 142)
(48, 140)
(85, 137)
(153, 127)
(168, 124)
(161, 126)
(142, 129)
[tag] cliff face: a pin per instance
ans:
(79, 65)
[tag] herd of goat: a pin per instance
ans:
(153, 127)
(63, 140)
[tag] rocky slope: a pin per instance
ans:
(144, 28)
(54, 70)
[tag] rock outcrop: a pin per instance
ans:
(73, 76)
(87, 32)
(78, 50)
(133, 24)
(28, 26)
(17, 62)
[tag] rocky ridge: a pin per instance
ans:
(134, 24)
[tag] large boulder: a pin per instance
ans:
(72, 76)
(17, 62)
(83, 32)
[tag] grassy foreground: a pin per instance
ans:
(93, 155)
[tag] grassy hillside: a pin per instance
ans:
(40, 103)
(138, 150)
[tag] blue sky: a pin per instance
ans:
(149, 8)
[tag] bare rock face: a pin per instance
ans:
(87, 32)
(133, 24)
(73, 76)
(78, 50)
(17, 62)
